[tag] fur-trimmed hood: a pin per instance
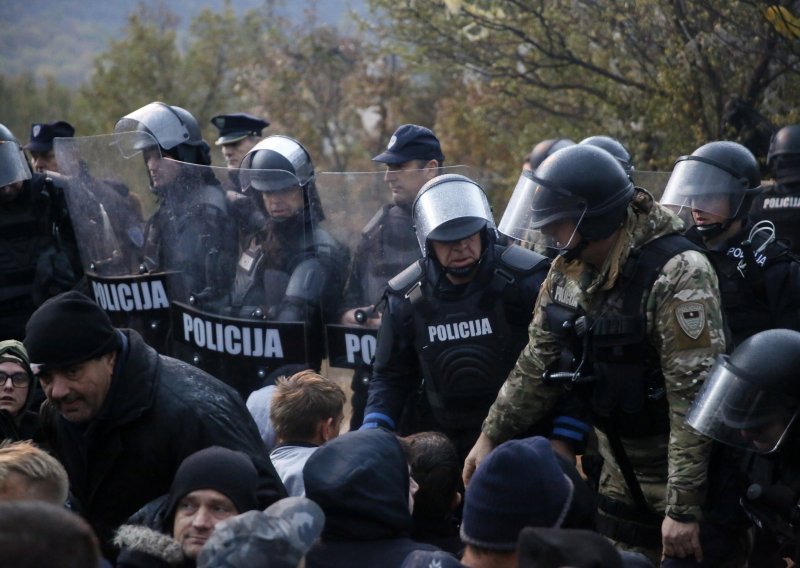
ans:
(143, 547)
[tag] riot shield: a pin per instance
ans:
(110, 201)
(369, 212)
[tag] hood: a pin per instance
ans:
(360, 480)
(142, 546)
(13, 351)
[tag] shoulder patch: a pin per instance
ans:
(691, 318)
(522, 259)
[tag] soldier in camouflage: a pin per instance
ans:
(629, 321)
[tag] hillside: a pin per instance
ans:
(62, 37)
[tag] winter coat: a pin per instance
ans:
(360, 480)
(158, 411)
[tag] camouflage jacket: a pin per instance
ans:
(671, 469)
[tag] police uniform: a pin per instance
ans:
(781, 205)
(670, 341)
(463, 339)
(38, 255)
(759, 280)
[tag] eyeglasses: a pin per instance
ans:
(19, 380)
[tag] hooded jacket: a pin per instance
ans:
(158, 411)
(361, 482)
(24, 424)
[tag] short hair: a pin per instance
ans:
(301, 401)
(35, 533)
(436, 469)
(45, 477)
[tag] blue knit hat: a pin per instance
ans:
(518, 485)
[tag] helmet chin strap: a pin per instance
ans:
(571, 254)
(713, 230)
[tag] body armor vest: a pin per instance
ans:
(745, 293)
(608, 355)
(389, 245)
(468, 344)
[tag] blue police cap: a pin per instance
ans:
(42, 135)
(411, 142)
(237, 126)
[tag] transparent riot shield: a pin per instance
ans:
(369, 213)
(110, 201)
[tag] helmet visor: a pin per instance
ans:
(539, 213)
(450, 211)
(131, 144)
(738, 412)
(697, 184)
(160, 121)
(270, 181)
(13, 165)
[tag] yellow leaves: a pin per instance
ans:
(784, 22)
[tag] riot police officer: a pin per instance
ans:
(544, 149)
(38, 257)
(629, 321)
(613, 147)
(751, 400)
(388, 244)
(290, 269)
(780, 201)
(192, 231)
(457, 317)
(758, 275)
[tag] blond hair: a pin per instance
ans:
(45, 478)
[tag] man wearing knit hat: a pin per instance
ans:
(122, 418)
(519, 484)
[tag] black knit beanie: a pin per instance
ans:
(67, 329)
(230, 472)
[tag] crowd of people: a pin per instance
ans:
(604, 377)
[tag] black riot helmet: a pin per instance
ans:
(721, 178)
(13, 165)
(280, 163)
(582, 183)
(613, 147)
(783, 158)
(751, 398)
(546, 148)
(172, 128)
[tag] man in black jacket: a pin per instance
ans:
(121, 417)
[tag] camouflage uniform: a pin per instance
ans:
(671, 469)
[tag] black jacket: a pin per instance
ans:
(157, 412)
(360, 480)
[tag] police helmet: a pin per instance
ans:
(783, 158)
(171, 128)
(582, 183)
(276, 163)
(450, 208)
(546, 148)
(613, 147)
(13, 165)
(721, 178)
(751, 398)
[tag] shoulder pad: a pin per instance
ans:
(211, 196)
(376, 219)
(521, 259)
(410, 276)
